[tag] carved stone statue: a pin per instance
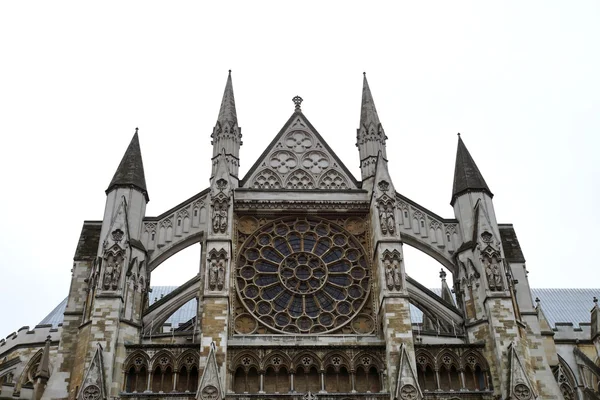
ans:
(383, 219)
(390, 220)
(389, 274)
(213, 273)
(386, 217)
(397, 274)
(220, 274)
(112, 273)
(219, 219)
(493, 273)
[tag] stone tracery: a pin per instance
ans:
(302, 275)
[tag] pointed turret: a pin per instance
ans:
(130, 172)
(446, 292)
(226, 135)
(467, 177)
(370, 136)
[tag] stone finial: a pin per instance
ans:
(537, 300)
(595, 300)
(136, 130)
(297, 101)
(442, 274)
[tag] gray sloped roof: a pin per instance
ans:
(559, 305)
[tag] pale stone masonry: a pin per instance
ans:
(302, 290)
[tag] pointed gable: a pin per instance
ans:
(299, 158)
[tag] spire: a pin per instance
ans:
(227, 111)
(131, 169)
(226, 135)
(467, 177)
(368, 113)
(446, 292)
(43, 370)
(370, 136)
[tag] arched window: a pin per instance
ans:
(239, 381)
(182, 379)
(130, 380)
(429, 378)
(373, 380)
(270, 381)
(331, 380)
(344, 381)
(253, 384)
(167, 384)
(444, 378)
(455, 383)
(480, 378)
(314, 380)
(156, 380)
(361, 380)
(301, 381)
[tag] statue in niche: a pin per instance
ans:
(220, 274)
(397, 274)
(213, 273)
(392, 270)
(220, 217)
(389, 274)
(112, 274)
(386, 218)
(493, 272)
(217, 261)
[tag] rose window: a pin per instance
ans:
(302, 275)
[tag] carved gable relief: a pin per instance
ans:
(299, 160)
(393, 271)
(519, 385)
(92, 387)
(210, 383)
(386, 208)
(220, 205)
(217, 265)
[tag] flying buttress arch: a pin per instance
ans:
(431, 303)
(156, 315)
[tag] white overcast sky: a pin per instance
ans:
(519, 79)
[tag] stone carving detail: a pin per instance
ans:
(315, 162)
(408, 392)
(267, 179)
(392, 268)
(309, 396)
(217, 262)
(300, 179)
(112, 272)
(247, 224)
(355, 225)
(567, 392)
(522, 392)
(92, 392)
(298, 141)
(283, 161)
(220, 207)
(491, 260)
(92, 386)
(333, 180)
(210, 393)
(117, 235)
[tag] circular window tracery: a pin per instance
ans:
(302, 275)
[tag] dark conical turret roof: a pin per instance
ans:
(467, 177)
(131, 169)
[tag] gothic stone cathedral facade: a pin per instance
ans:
(302, 291)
